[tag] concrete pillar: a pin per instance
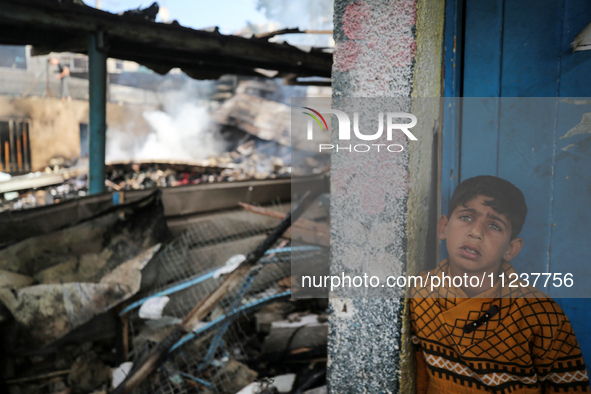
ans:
(384, 48)
(97, 102)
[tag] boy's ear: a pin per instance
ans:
(441, 224)
(514, 248)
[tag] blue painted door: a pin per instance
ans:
(513, 50)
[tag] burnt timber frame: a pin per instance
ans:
(63, 26)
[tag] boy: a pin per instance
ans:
(485, 337)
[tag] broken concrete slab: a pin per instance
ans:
(234, 376)
(13, 280)
(48, 312)
(89, 373)
(265, 119)
(318, 390)
(286, 335)
(265, 319)
(271, 313)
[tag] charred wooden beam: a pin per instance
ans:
(306, 230)
(55, 25)
(291, 30)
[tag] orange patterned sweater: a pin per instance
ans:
(508, 340)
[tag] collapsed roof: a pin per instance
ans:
(64, 26)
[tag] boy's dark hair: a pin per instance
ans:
(506, 198)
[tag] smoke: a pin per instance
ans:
(304, 14)
(182, 134)
(180, 131)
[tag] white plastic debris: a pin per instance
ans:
(284, 383)
(582, 41)
(11, 195)
(120, 373)
(199, 325)
(153, 307)
(230, 265)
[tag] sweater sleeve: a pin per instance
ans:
(558, 360)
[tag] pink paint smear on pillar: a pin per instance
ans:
(373, 196)
(368, 36)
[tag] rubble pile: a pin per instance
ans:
(70, 189)
(80, 305)
(257, 134)
(135, 176)
(246, 163)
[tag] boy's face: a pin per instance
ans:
(478, 238)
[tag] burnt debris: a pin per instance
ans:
(95, 297)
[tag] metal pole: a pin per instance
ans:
(97, 92)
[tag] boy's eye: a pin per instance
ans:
(465, 218)
(494, 227)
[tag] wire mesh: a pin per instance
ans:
(210, 359)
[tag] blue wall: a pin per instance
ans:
(522, 49)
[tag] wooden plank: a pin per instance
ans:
(453, 49)
(482, 46)
(482, 69)
(452, 71)
(302, 230)
(531, 48)
(525, 159)
(480, 137)
(321, 228)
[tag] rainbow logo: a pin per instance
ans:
(316, 119)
